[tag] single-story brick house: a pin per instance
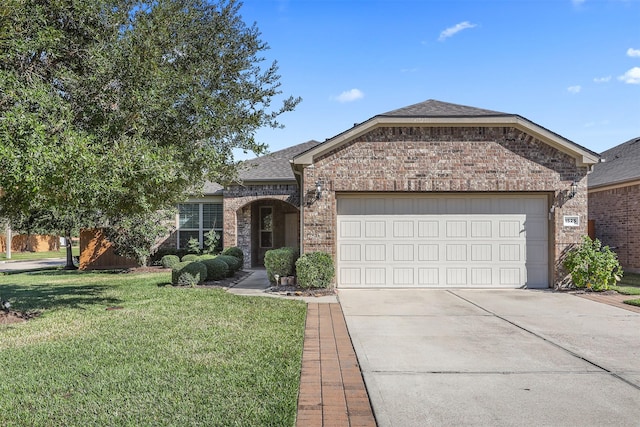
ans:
(614, 202)
(430, 195)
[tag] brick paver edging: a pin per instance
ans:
(332, 391)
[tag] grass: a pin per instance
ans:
(169, 356)
(29, 256)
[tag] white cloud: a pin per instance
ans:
(574, 89)
(631, 77)
(602, 79)
(349, 95)
(455, 29)
(634, 53)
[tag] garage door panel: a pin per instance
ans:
(375, 229)
(467, 241)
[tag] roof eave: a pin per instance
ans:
(582, 155)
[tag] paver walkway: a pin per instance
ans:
(613, 299)
(332, 391)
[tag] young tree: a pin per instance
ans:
(116, 107)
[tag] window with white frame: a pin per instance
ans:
(197, 219)
(266, 227)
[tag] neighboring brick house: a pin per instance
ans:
(434, 194)
(614, 202)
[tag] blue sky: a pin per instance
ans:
(570, 66)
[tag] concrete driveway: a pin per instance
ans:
(495, 358)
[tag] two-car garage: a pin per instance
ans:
(443, 240)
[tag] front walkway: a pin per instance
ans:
(332, 391)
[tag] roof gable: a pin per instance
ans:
(620, 164)
(433, 108)
(437, 113)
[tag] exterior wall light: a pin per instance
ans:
(318, 189)
(574, 189)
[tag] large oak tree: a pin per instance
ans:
(123, 106)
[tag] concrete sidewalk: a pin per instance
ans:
(10, 265)
(495, 357)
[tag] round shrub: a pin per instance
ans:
(315, 270)
(217, 269)
(233, 262)
(592, 265)
(281, 262)
(188, 273)
(236, 252)
(168, 261)
(205, 257)
(189, 257)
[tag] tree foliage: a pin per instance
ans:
(592, 265)
(123, 106)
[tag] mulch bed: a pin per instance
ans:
(296, 291)
(8, 317)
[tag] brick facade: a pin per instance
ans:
(617, 223)
(445, 159)
(239, 215)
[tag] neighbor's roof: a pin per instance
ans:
(438, 113)
(274, 166)
(620, 164)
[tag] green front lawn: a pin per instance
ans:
(28, 256)
(165, 356)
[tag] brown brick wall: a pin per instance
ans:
(445, 159)
(237, 215)
(617, 222)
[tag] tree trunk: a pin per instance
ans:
(70, 265)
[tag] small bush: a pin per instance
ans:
(217, 269)
(234, 251)
(168, 261)
(189, 258)
(193, 246)
(211, 242)
(233, 263)
(204, 257)
(281, 262)
(197, 272)
(157, 256)
(315, 270)
(592, 265)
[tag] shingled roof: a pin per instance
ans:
(274, 166)
(621, 164)
(434, 108)
(438, 113)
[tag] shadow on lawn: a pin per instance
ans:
(47, 296)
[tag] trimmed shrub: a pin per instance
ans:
(157, 256)
(204, 257)
(188, 273)
(217, 269)
(168, 261)
(189, 258)
(592, 265)
(233, 263)
(234, 251)
(315, 270)
(281, 262)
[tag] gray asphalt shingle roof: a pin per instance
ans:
(434, 108)
(621, 163)
(273, 166)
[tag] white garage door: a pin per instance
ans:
(442, 241)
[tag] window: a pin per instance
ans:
(266, 227)
(197, 219)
